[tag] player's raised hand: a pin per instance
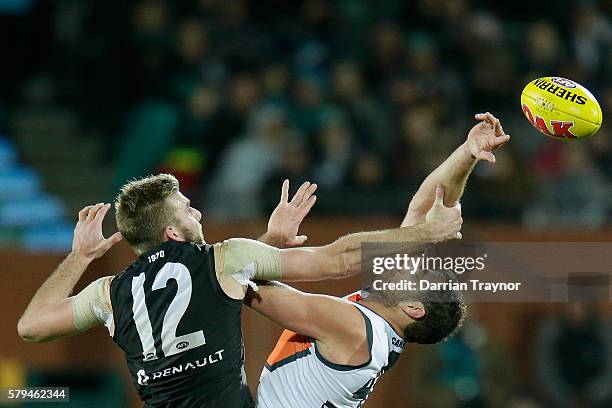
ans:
(286, 218)
(485, 137)
(88, 240)
(444, 222)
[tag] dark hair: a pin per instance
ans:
(142, 210)
(445, 309)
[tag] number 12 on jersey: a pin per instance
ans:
(171, 344)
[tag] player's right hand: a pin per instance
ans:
(486, 137)
(88, 240)
(444, 222)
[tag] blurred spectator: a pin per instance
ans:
(148, 138)
(571, 190)
(422, 146)
(592, 38)
(387, 53)
(308, 106)
(148, 48)
(275, 83)
(336, 145)
(371, 121)
(574, 358)
(194, 61)
(246, 165)
(543, 48)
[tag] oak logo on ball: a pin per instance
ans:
(559, 128)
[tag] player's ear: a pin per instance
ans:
(173, 234)
(414, 310)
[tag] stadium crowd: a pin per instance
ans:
(364, 98)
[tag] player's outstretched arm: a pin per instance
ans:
(342, 258)
(50, 312)
(453, 173)
(240, 261)
(286, 218)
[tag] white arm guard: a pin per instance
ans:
(92, 306)
(245, 260)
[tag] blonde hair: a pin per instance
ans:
(142, 211)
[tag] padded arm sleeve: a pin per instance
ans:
(91, 306)
(246, 260)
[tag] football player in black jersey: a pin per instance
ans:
(175, 311)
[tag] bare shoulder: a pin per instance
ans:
(348, 344)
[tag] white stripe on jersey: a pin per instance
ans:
(297, 376)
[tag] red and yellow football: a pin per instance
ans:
(561, 108)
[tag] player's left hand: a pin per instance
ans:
(485, 137)
(286, 218)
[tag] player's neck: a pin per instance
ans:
(392, 315)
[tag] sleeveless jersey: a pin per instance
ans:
(297, 376)
(180, 333)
